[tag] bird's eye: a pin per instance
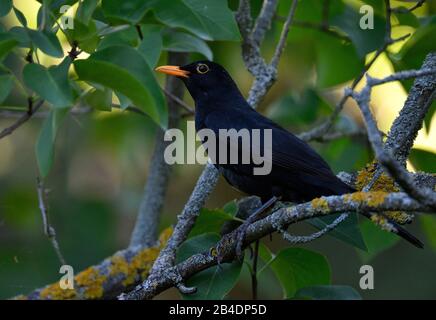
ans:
(202, 68)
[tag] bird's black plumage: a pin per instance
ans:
(298, 173)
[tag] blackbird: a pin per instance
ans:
(298, 174)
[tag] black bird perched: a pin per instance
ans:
(298, 173)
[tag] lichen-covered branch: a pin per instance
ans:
(363, 201)
(384, 155)
(145, 230)
(412, 115)
(108, 279)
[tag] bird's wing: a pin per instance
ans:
(289, 152)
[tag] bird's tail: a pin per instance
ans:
(394, 227)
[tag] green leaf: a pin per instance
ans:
(328, 293)
(51, 84)
(119, 11)
(20, 34)
(207, 19)
(210, 221)
(47, 42)
(20, 16)
(231, 208)
(297, 268)
(85, 11)
(407, 18)
(151, 44)
(213, 283)
(413, 52)
(5, 7)
(365, 40)
(183, 42)
(123, 37)
(428, 224)
(123, 69)
(46, 140)
(7, 43)
(99, 99)
(124, 101)
(86, 35)
(6, 85)
(333, 55)
(291, 110)
(376, 239)
(347, 231)
(423, 160)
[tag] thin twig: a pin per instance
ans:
(20, 121)
(49, 231)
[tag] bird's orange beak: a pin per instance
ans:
(173, 71)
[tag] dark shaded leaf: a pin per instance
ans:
(207, 19)
(51, 84)
(184, 42)
(5, 7)
(210, 221)
(6, 85)
(125, 10)
(7, 43)
(423, 160)
(47, 42)
(151, 43)
(46, 140)
(297, 268)
(213, 283)
(376, 239)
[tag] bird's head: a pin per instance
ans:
(205, 80)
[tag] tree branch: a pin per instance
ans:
(362, 201)
(145, 230)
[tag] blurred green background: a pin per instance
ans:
(102, 159)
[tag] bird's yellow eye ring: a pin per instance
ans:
(202, 68)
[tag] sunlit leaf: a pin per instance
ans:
(125, 70)
(100, 99)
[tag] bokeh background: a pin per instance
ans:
(102, 160)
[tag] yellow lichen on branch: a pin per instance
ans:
(127, 268)
(320, 204)
(384, 183)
